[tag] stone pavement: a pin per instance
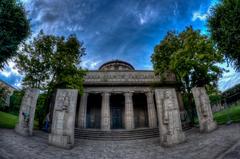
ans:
(222, 143)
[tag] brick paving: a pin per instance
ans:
(198, 146)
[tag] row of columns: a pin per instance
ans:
(129, 111)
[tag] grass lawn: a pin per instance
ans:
(222, 117)
(9, 120)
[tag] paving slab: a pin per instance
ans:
(223, 142)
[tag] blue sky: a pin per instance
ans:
(114, 29)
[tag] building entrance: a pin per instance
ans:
(117, 111)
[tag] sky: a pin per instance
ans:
(116, 29)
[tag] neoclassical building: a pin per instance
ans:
(116, 96)
(118, 102)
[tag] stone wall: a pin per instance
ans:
(63, 123)
(27, 112)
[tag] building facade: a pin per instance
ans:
(8, 90)
(116, 96)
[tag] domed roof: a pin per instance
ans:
(116, 65)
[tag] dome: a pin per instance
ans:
(116, 65)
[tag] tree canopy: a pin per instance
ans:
(50, 62)
(190, 56)
(14, 27)
(224, 26)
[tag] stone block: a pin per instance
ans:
(204, 111)
(27, 112)
(170, 128)
(63, 123)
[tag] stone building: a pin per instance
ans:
(9, 91)
(116, 96)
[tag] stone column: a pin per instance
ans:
(152, 114)
(129, 114)
(204, 111)
(105, 112)
(82, 112)
(27, 112)
(63, 123)
(170, 128)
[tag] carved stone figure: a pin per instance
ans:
(27, 112)
(62, 134)
(170, 128)
(204, 111)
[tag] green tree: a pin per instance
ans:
(14, 27)
(223, 24)
(50, 62)
(191, 57)
(15, 102)
(3, 98)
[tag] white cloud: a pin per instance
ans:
(90, 64)
(6, 73)
(10, 69)
(147, 15)
(229, 78)
(200, 16)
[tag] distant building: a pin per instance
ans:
(10, 89)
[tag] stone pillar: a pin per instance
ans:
(152, 114)
(63, 123)
(105, 112)
(204, 111)
(129, 114)
(82, 112)
(27, 112)
(170, 128)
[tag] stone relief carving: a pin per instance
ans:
(125, 77)
(169, 117)
(27, 112)
(62, 133)
(203, 109)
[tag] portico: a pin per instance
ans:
(117, 108)
(119, 97)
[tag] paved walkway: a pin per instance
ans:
(222, 143)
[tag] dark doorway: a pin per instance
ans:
(94, 111)
(117, 111)
(140, 110)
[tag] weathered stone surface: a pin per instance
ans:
(62, 134)
(27, 112)
(82, 113)
(204, 111)
(152, 115)
(198, 146)
(129, 113)
(105, 112)
(125, 77)
(170, 128)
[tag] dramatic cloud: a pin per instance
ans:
(111, 29)
(126, 30)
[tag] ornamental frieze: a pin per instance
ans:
(130, 76)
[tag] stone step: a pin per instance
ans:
(95, 134)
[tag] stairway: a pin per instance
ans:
(115, 135)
